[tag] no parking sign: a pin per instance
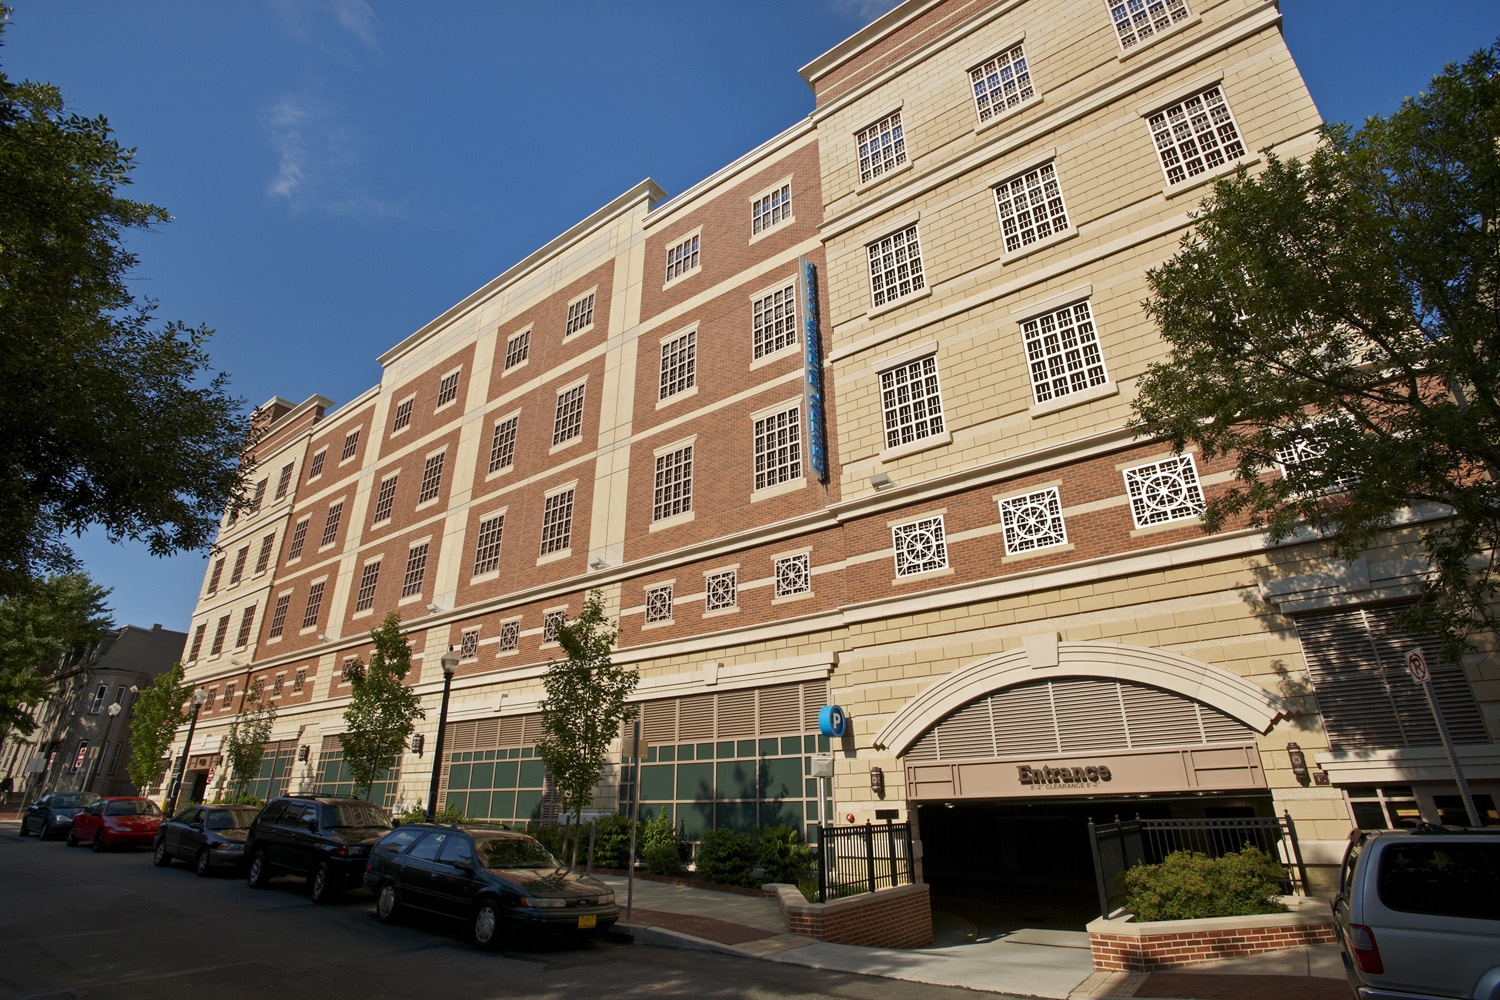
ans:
(1416, 665)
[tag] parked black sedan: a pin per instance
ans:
(487, 877)
(326, 840)
(207, 836)
(52, 814)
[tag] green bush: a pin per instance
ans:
(418, 814)
(728, 857)
(662, 859)
(781, 852)
(1187, 885)
(611, 841)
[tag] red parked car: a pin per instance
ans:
(117, 821)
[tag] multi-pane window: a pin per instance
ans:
(503, 444)
(220, 631)
(896, 266)
(197, 641)
(278, 685)
(682, 258)
(1164, 491)
(674, 484)
(240, 558)
(403, 415)
(920, 547)
(97, 703)
(1032, 521)
(580, 315)
(1031, 207)
(1062, 350)
(215, 576)
(351, 445)
(793, 574)
(416, 569)
(773, 321)
(316, 469)
(882, 147)
(263, 561)
(911, 402)
(679, 364)
(448, 389)
(1195, 135)
(299, 681)
(659, 604)
(468, 645)
(517, 348)
(259, 498)
(228, 696)
(369, 579)
(778, 448)
(771, 210)
(568, 423)
(247, 622)
(284, 481)
(331, 524)
(510, 636)
(487, 548)
(552, 623)
(299, 537)
(721, 590)
(1137, 20)
(432, 477)
(1003, 82)
(557, 522)
(385, 499)
(278, 615)
(314, 605)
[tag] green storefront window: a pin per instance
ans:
(458, 776)
(744, 748)
(685, 752)
(725, 750)
(736, 815)
(781, 813)
(505, 774)
(735, 780)
(780, 778)
(503, 805)
(482, 776)
(533, 775)
(667, 754)
(705, 751)
(479, 806)
(768, 747)
(658, 782)
(694, 818)
(529, 805)
(695, 782)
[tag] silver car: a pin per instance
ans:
(1418, 914)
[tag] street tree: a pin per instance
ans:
(383, 710)
(245, 743)
(38, 627)
(154, 720)
(108, 418)
(1334, 327)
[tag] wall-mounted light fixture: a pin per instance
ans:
(597, 563)
(877, 781)
(1299, 762)
(433, 609)
(324, 638)
(302, 753)
(417, 743)
(881, 481)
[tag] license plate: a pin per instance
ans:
(586, 921)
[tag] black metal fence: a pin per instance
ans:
(1123, 844)
(856, 859)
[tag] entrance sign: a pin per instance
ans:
(832, 721)
(1416, 665)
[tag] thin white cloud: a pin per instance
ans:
(312, 20)
(321, 162)
(863, 10)
(359, 20)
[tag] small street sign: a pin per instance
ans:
(1416, 665)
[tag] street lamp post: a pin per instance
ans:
(113, 711)
(449, 662)
(199, 697)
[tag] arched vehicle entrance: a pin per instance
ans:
(1007, 760)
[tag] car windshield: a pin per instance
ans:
(514, 852)
(229, 819)
(72, 800)
(132, 807)
(354, 814)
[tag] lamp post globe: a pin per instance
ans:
(449, 662)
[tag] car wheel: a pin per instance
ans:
(200, 864)
(486, 927)
(387, 906)
(160, 858)
(24, 831)
(260, 871)
(72, 838)
(99, 844)
(322, 884)
(46, 831)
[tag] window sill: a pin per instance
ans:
(324, 548)
(720, 612)
(791, 350)
(308, 630)
(273, 640)
(895, 304)
(931, 574)
(1209, 176)
(564, 445)
(578, 332)
(673, 521)
(443, 406)
(1175, 29)
(1088, 395)
(553, 557)
(493, 574)
(428, 503)
(399, 431)
(410, 599)
(683, 277)
(1156, 529)
(780, 489)
(864, 186)
(687, 393)
(367, 612)
(912, 448)
(1034, 553)
(771, 229)
(380, 524)
(515, 367)
(791, 598)
(648, 626)
(1010, 113)
(1041, 244)
(507, 652)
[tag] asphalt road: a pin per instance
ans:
(75, 924)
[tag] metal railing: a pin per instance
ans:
(856, 859)
(1123, 844)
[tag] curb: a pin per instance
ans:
(660, 936)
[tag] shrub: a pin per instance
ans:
(611, 841)
(727, 856)
(418, 814)
(781, 852)
(1187, 885)
(662, 859)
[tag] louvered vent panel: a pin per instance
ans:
(460, 736)
(1352, 695)
(1451, 687)
(1159, 718)
(531, 728)
(330, 744)
(1088, 714)
(925, 749)
(814, 697)
(736, 714)
(1023, 720)
(512, 730)
(486, 734)
(1220, 728)
(966, 733)
(695, 718)
(780, 709)
(658, 721)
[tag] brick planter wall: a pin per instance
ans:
(890, 918)
(1119, 944)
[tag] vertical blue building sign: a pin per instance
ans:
(812, 380)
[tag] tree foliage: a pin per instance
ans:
(37, 627)
(153, 724)
(1339, 317)
(107, 418)
(382, 709)
(245, 743)
(584, 708)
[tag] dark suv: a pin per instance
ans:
(325, 840)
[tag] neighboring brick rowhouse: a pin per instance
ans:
(890, 918)
(1119, 945)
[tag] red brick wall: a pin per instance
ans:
(898, 45)
(891, 918)
(1142, 954)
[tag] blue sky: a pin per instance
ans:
(341, 171)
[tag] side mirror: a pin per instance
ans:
(312, 825)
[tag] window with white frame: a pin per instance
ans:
(385, 499)
(263, 561)
(468, 645)
(882, 147)
(552, 622)
(673, 493)
(416, 570)
(920, 547)
(215, 576)
(1031, 207)
(260, 496)
(299, 538)
(1195, 135)
(721, 590)
(197, 641)
(403, 414)
(278, 616)
(773, 321)
(221, 631)
(314, 605)
(793, 574)
(247, 622)
(778, 448)
(284, 481)
(580, 315)
(896, 266)
(369, 579)
(316, 469)
(448, 389)
(487, 547)
(568, 422)
(771, 209)
(517, 348)
(1032, 521)
(1062, 351)
(682, 258)
(911, 402)
(96, 704)
(510, 636)
(503, 444)
(331, 524)
(557, 522)
(1164, 491)
(351, 445)
(239, 565)
(1001, 83)
(432, 477)
(679, 364)
(1137, 20)
(299, 681)
(659, 604)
